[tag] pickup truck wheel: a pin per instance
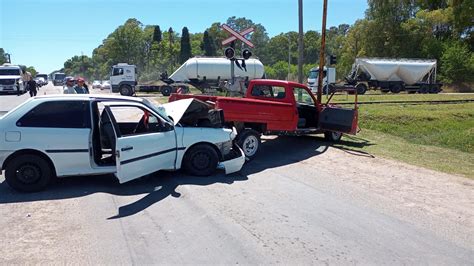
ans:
(166, 90)
(28, 173)
(126, 90)
(249, 141)
(201, 160)
(332, 136)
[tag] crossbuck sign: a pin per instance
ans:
(236, 35)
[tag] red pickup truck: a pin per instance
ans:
(275, 107)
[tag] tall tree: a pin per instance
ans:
(207, 45)
(185, 51)
(2, 56)
(157, 34)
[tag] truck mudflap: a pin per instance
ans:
(233, 162)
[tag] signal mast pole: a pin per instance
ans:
(322, 53)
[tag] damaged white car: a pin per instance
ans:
(68, 135)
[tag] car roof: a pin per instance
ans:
(100, 97)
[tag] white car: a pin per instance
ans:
(12, 79)
(105, 85)
(70, 135)
(96, 84)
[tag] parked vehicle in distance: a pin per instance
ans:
(329, 79)
(394, 75)
(40, 81)
(68, 135)
(58, 79)
(276, 107)
(96, 84)
(44, 76)
(11, 79)
(205, 73)
(105, 85)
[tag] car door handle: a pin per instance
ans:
(127, 148)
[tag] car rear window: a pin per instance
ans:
(62, 114)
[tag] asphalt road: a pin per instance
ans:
(300, 202)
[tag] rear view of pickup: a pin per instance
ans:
(275, 107)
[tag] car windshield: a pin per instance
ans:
(159, 109)
(313, 74)
(59, 76)
(42, 76)
(9, 72)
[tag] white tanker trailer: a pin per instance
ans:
(395, 75)
(203, 73)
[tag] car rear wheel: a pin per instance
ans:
(28, 173)
(249, 141)
(201, 160)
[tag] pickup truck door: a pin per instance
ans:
(144, 144)
(338, 119)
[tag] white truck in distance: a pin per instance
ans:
(200, 72)
(329, 79)
(12, 79)
(394, 75)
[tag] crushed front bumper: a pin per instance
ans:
(233, 161)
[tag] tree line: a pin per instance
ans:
(435, 29)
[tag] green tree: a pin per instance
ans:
(457, 62)
(2, 56)
(185, 50)
(208, 45)
(157, 34)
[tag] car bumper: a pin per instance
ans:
(233, 162)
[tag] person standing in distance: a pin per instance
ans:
(69, 88)
(80, 87)
(32, 87)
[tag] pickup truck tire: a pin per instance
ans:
(249, 141)
(200, 160)
(126, 90)
(332, 136)
(28, 173)
(166, 90)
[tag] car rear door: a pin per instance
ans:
(145, 143)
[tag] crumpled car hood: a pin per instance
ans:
(185, 109)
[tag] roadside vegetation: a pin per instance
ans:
(436, 136)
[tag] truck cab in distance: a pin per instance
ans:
(12, 79)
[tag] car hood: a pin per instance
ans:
(185, 110)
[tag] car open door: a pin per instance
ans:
(144, 152)
(339, 119)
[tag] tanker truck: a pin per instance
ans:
(394, 75)
(205, 73)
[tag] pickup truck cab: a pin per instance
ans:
(69, 135)
(276, 107)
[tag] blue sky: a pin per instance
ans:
(45, 33)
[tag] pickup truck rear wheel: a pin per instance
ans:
(28, 173)
(126, 90)
(249, 141)
(332, 136)
(200, 160)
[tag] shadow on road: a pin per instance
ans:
(158, 186)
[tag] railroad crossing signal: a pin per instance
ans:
(236, 35)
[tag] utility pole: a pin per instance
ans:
(289, 57)
(322, 52)
(300, 41)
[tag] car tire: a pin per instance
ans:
(332, 136)
(126, 90)
(249, 141)
(200, 160)
(166, 90)
(28, 173)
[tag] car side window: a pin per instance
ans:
(268, 91)
(59, 114)
(302, 96)
(133, 120)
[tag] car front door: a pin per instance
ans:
(145, 143)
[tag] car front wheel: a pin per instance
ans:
(28, 173)
(201, 160)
